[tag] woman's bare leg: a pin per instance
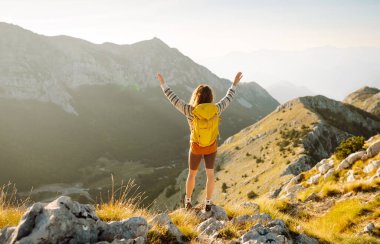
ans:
(194, 161)
(210, 161)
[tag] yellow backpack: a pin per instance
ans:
(205, 124)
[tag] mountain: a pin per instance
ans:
(288, 141)
(366, 98)
(74, 113)
(329, 71)
(285, 91)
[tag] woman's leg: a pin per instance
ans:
(210, 161)
(194, 161)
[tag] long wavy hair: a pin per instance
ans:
(202, 94)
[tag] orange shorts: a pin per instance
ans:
(196, 149)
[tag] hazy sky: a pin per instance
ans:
(204, 28)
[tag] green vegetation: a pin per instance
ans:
(224, 187)
(348, 146)
(252, 195)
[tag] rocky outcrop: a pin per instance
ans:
(164, 220)
(66, 221)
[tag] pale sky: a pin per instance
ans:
(204, 28)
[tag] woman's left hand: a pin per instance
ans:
(160, 78)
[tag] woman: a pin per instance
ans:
(202, 96)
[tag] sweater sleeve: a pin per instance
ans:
(227, 99)
(178, 103)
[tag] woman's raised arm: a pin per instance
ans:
(227, 99)
(178, 103)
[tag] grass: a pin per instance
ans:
(235, 210)
(124, 202)
(229, 232)
(187, 222)
(11, 208)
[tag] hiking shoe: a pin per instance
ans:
(188, 206)
(208, 205)
(188, 203)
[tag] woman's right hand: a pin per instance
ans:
(160, 78)
(238, 77)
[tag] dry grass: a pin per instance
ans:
(235, 210)
(229, 232)
(187, 222)
(362, 186)
(11, 208)
(124, 202)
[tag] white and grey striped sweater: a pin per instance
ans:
(185, 108)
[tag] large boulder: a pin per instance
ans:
(67, 221)
(210, 227)
(61, 221)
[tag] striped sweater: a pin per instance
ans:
(186, 109)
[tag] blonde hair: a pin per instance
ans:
(202, 94)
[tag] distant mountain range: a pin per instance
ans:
(75, 112)
(329, 71)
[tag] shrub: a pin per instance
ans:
(252, 195)
(224, 187)
(348, 146)
(247, 154)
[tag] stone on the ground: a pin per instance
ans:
(373, 149)
(265, 234)
(210, 227)
(304, 239)
(329, 174)
(369, 228)
(314, 179)
(326, 166)
(259, 218)
(347, 162)
(59, 221)
(164, 220)
(216, 212)
(372, 166)
(131, 228)
(6, 233)
(350, 176)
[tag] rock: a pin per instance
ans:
(126, 229)
(376, 175)
(299, 165)
(216, 212)
(372, 166)
(350, 176)
(251, 205)
(210, 227)
(304, 239)
(369, 228)
(329, 174)
(138, 240)
(164, 220)
(262, 234)
(347, 162)
(5, 234)
(274, 192)
(260, 218)
(59, 221)
(314, 179)
(324, 167)
(373, 149)
(312, 197)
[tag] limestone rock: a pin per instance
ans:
(328, 174)
(350, 176)
(216, 212)
(126, 229)
(6, 233)
(325, 166)
(59, 221)
(260, 218)
(314, 179)
(369, 228)
(164, 220)
(210, 227)
(347, 162)
(373, 149)
(304, 239)
(372, 166)
(265, 234)
(251, 205)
